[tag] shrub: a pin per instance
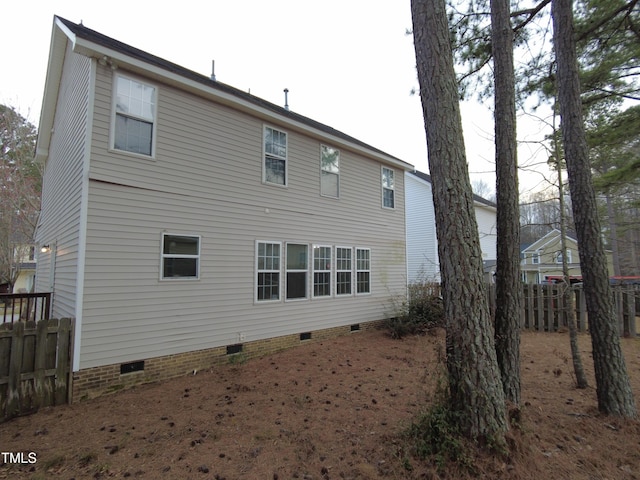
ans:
(423, 310)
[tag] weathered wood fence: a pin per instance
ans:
(35, 365)
(544, 308)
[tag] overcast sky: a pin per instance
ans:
(347, 63)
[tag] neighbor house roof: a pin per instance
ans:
(94, 44)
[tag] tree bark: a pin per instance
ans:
(508, 283)
(612, 381)
(475, 388)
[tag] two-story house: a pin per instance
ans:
(187, 220)
(423, 263)
(541, 261)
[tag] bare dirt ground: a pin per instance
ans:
(334, 409)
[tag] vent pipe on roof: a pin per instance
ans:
(213, 70)
(286, 99)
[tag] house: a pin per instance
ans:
(541, 261)
(422, 244)
(188, 220)
(26, 266)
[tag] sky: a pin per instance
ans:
(346, 63)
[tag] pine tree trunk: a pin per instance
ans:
(508, 284)
(612, 381)
(474, 379)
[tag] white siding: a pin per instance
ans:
(59, 224)
(206, 180)
(422, 244)
(486, 217)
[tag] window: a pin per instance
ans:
(343, 271)
(330, 171)
(268, 268)
(535, 258)
(388, 188)
(297, 270)
(135, 110)
(321, 271)
(275, 156)
(180, 256)
(559, 256)
(363, 270)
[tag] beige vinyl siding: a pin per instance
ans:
(59, 224)
(129, 313)
(206, 180)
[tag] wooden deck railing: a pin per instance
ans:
(16, 307)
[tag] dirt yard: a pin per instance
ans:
(334, 409)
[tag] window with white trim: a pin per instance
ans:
(363, 270)
(180, 256)
(388, 188)
(321, 271)
(275, 156)
(535, 258)
(330, 171)
(268, 271)
(559, 256)
(343, 270)
(135, 116)
(297, 270)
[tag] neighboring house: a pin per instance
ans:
(26, 264)
(187, 219)
(541, 261)
(422, 244)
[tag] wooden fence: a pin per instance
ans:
(35, 365)
(543, 308)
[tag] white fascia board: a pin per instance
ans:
(59, 36)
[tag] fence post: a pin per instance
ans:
(63, 384)
(40, 363)
(13, 390)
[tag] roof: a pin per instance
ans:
(94, 44)
(477, 198)
(543, 241)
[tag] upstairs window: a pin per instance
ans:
(135, 116)
(535, 258)
(180, 256)
(388, 188)
(559, 256)
(275, 156)
(330, 171)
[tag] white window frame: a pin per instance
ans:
(535, 258)
(266, 155)
(288, 270)
(259, 270)
(339, 270)
(385, 188)
(153, 119)
(164, 256)
(559, 256)
(326, 173)
(363, 270)
(324, 271)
